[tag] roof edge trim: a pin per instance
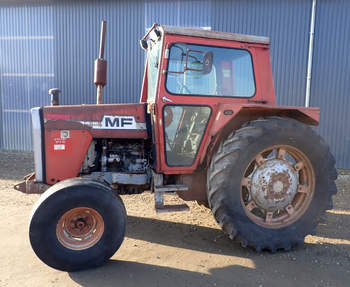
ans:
(215, 34)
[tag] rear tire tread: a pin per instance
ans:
(229, 151)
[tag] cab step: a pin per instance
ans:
(159, 192)
(170, 188)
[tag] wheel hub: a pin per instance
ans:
(80, 228)
(274, 184)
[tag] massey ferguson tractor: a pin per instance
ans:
(207, 128)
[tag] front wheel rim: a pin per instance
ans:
(80, 228)
(277, 187)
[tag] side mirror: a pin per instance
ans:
(199, 61)
(207, 62)
(143, 44)
(185, 59)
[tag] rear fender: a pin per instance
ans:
(230, 117)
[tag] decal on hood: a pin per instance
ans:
(116, 123)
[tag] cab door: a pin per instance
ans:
(182, 121)
(195, 78)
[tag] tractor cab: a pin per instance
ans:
(197, 81)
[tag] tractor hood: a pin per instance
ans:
(102, 121)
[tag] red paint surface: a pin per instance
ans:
(70, 118)
(95, 112)
(63, 164)
(57, 117)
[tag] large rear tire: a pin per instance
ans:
(77, 224)
(270, 182)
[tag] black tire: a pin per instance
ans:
(63, 197)
(230, 162)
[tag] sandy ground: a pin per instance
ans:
(174, 249)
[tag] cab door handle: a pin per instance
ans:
(165, 99)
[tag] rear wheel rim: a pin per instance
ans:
(277, 187)
(80, 228)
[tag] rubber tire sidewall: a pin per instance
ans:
(45, 216)
(256, 235)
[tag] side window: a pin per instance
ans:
(184, 127)
(210, 71)
(152, 70)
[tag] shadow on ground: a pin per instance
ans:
(126, 273)
(304, 264)
(15, 165)
(213, 240)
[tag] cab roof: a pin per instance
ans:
(214, 34)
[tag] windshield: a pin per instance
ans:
(152, 69)
(229, 73)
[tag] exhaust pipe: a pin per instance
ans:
(100, 72)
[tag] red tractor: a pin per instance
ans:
(207, 127)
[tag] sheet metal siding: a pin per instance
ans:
(330, 83)
(287, 25)
(77, 28)
(54, 44)
(26, 68)
(179, 13)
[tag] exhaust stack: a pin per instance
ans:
(100, 72)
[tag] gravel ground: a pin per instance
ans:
(174, 249)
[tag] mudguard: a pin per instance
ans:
(231, 117)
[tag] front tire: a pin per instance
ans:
(77, 224)
(270, 182)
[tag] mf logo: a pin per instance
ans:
(118, 122)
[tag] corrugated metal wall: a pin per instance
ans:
(77, 28)
(330, 83)
(62, 43)
(287, 25)
(180, 13)
(26, 68)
